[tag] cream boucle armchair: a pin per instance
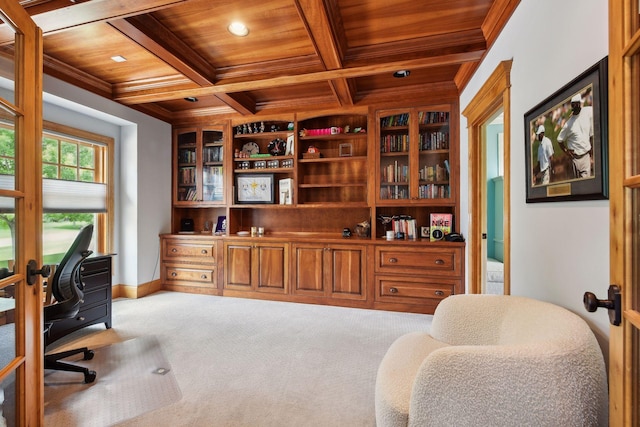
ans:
(494, 360)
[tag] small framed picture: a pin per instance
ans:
(221, 226)
(424, 232)
(346, 150)
(254, 188)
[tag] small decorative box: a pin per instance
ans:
(260, 164)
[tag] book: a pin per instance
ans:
(440, 224)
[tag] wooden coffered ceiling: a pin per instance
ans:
(299, 54)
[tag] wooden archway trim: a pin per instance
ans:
(495, 93)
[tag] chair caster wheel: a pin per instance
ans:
(88, 355)
(89, 377)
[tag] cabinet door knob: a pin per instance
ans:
(174, 274)
(393, 260)
(204, 276)
(203, 252)
(81, 318)
(393, 290)
(439, 293)
(439, 262)
(174, 250)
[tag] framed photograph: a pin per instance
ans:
(221, 225)
(254, 188)
(566, 141)
(346, 150)
(424, 232)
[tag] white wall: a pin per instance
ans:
(142, 173)
(558, 250)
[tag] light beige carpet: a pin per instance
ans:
(128, 384)
(252, 363)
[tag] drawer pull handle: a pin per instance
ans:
(174, 274)
(393, 260)
(203, 252)
(174, 250)
(439, 262)
(393, 290)
(81, 318)
(439, 293)
(204, 276)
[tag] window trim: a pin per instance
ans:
(105, 222)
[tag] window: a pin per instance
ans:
(76, 189)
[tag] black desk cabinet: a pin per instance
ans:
(96, 305)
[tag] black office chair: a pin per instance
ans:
(66, 287)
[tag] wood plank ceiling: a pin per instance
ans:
(299, 54)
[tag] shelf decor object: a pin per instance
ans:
(254, 188)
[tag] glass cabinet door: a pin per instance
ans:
(212, 171)
(433, 149)
(186, 170)
(394, 174)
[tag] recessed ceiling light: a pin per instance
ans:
(191, 99)
(401, 74)
(238, 29)
(118, 58)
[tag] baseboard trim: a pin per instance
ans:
(144, 289)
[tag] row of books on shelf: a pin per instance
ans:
(395, 120)
(394, 143)
(395, 172)
(434, 191)
(434, 141)
(394, 192)
(429, 117)
(405, 225)
(212, 154)
(189, 194)
(187, 176)
(433, 173)
(212, 193)
(186, 156)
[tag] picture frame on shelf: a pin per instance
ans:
(255, 188)
(221, 225)
(345, 149)
(570, 167)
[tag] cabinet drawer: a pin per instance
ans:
(84, 317)
(201, 251)
(96, 295)
(95, 281)
(414, 290)
(93, 266)
(439, 261)
(181, 275)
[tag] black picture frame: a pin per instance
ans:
(553, 113)
(255, 188)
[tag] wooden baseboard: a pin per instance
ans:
(144, 289)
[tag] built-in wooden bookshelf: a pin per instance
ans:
(327, 180)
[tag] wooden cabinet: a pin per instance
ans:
(329, 270)
(199, 166)
(417, 164)
(418, 277)
(332, 160)
(251, 265)
(95, 274)
(320, 173)
(265, 147)
(190, 263)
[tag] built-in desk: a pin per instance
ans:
(95, 273)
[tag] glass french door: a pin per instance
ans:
(624, 180)
(21, 343)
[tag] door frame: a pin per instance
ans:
(27, 193)
(494, 94)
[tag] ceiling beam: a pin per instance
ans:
(322, 22)
(61, 15)
(150, 34)
(133, 96)
(241, 102)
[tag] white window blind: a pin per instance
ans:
(60, 196)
